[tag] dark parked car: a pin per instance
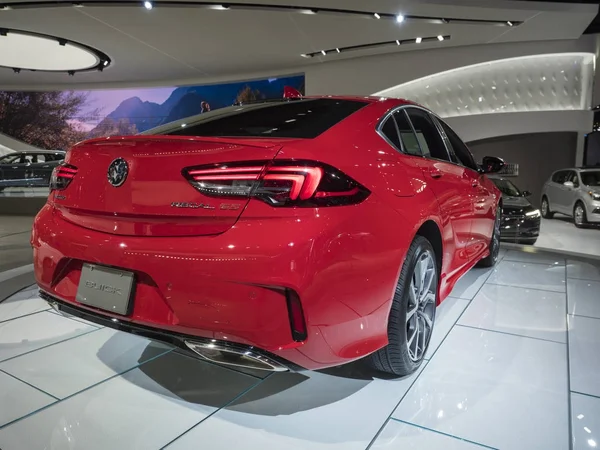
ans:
(29, 168)
(520, 219)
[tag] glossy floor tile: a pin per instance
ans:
(344, 408)
(533, 256)
(17, 399)
(585, 419)
(481, 384)
(529, 275)
(584, 297)
(586, 270)
(71, 366)
(35, 331)
(445, 317)
(584, 354)
(21, 304)
(142, 409)
(526, 312)
(402, 436)
(499, 374)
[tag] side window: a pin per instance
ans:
(40, 158)
(461, 151)
(407, 135)
(391, 132)
(560, 177)
(428, 136)
(573, 178)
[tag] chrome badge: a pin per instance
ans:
(117, 172)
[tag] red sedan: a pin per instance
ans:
(301, 233)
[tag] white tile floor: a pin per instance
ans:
(513, 364)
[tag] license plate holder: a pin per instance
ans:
(105, 288)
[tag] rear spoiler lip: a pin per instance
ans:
(132, 140)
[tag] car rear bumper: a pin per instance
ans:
(232, 287)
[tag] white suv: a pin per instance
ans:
(575, 193)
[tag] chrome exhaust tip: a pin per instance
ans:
(232, 356)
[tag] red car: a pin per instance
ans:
(301, 233)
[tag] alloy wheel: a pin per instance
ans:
(421, 306)
(579, 215)
(544, 207)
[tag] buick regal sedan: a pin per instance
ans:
(32, 168)
(302, 233)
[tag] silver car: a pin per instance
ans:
(575, 193)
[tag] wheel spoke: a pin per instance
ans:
(428, 322)
(411, 313)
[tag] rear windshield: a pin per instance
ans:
(287, 119)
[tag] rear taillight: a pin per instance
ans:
(62, 175)
(279, 183)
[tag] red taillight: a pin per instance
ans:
(297, 322)
(62, 176)
(280, 183)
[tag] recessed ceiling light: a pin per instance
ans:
(399, 18)
(440, 38)
(418, 40)
(148, 5)
(308, 11)
(220, 7)
(377, 16)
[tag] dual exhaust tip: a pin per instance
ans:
(231, 356)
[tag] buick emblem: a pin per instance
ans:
(117, 172)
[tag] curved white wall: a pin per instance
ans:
(550, 82)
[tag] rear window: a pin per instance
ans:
(290, 119)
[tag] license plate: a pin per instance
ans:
(105, 288)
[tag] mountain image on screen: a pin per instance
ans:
(133, 115)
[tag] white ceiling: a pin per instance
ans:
(178, 45)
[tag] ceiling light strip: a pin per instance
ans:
(336, 50)
(311, 10)
(103, 59)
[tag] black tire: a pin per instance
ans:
(545, 209)
(395, 358)
(580, 223)
(492, 258)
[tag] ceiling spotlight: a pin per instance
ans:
(377, 16)
(105, 63)
(509, 23)
(78, 5)
(308, 11)
(399, 18)
(397, 42)
(71, 73)
(3, 32)
(337, 50)
(304, 55)
(440, 38)
(62, 42)
(323, 52)
(220, 7)
(418, 40)
(148, 5)
(5, 8)
(16, 70)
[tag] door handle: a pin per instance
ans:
(435, 173)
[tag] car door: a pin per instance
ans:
(483, 193)
(557, 192)
(450, 182)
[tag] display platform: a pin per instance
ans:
(502, 372)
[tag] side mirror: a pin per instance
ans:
(491, 164)
(526, 193)
(569, 184)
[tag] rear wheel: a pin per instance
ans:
(412, 314)
(492, 258)
(579, 215)
(546, 213)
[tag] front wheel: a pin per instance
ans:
(579, 215)
(546, 213)
(492, 258)
(412, 314)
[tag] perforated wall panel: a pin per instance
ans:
(532, 83)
